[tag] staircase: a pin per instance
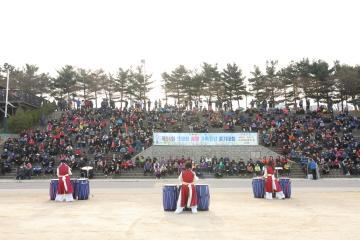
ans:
(338, 173)
(11, 175)
(334, 173)
(196, 152)
(296, 171)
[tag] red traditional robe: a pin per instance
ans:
(271, 184)
(64, 185)
(188, 197)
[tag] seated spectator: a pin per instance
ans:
(286, 168)
(147, 167)
(20, 173)
(2, 167)
(49, 169)
(250, 168)
(257, 170)
(37, 170)
(198, 171)
(163, 170)
(6, 166)
(324, 168)
(157, 170)
(218, 172)
(242, 167)
(28, 170)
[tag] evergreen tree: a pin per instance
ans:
(96, 82)
(290, 84)
(234, 83)
(347, 82)
(166, 86)
(272, 82)
(197, 84)
(258, 84)
(43, 84)
(65, 83)
(320, 85)
(213, 85)
(140, 84)
(84, 81)
(122, 86)
(178, 81)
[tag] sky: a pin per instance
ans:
(109, 34)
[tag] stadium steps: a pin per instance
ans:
(277, 150)
(337, 173)
(10, 175)
(296, 171)
(334, 173)
(196, 152)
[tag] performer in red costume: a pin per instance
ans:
(65, 189)
(187, 197)
(271, 183)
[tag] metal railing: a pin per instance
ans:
(20, 96)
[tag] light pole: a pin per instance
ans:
(143, 65)
(84, 89)
(6, 98)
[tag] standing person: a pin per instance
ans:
(271, 183)
(78, 103)
(65, 189)
(313, 168)
(307, 104)
(188, 196)
(301, 104)
(149, 104)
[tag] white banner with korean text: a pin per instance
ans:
(204, 139)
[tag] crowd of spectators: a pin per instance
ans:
(83, 137)
(108, 138)
(322, 136)
(219, 167)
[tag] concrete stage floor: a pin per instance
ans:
(323, 209)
